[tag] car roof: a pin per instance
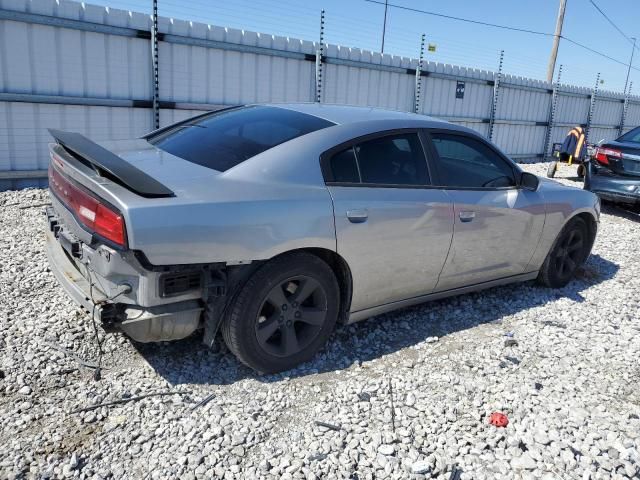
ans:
(345, 114)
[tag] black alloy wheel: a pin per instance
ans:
(568, 253)
(291, 316)
(284, 313)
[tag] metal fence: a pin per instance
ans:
(107, 74)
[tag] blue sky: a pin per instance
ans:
(358, 23)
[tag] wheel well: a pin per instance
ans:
(343, 275)
(592, 226)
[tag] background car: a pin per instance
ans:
(275, 221)
(614, 172)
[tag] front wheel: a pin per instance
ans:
(568, 253)
(284, 313)
(551, 171)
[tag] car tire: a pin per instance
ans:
(568, 253)
(551, 171)
(283, 314)
(581, 170)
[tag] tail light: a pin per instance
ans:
(602, 154)
(88, 209)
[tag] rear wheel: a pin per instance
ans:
(284, 314)
(551, 171)
(581, 170)
(567, 254)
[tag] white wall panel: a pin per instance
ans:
(46, 60)
(596, 134)
(607, 111)
(571, 109)
(633, 116)
(24, 139)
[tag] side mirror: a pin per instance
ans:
(529, 181)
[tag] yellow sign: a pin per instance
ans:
(431, 47)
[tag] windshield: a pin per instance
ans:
(632, 136)
(221, 140)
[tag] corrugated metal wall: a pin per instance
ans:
(85, 68)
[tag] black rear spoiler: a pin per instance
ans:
(115, 167)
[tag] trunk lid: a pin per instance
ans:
(628, 163)
(134, 164)
(170, 170)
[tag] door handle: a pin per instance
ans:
(467, 216)
(357, 216)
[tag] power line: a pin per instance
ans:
(468, 20)
(612, 23)
(505, 27)
(600, 53)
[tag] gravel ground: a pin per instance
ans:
(404, 395)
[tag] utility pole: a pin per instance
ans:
(626, 82)
(556, 41)
(384, 25)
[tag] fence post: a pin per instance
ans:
(154, 64)
(494, 101)
(319, 54)
(592, 105)
(416, 92)
(625, 106)
(552, 113)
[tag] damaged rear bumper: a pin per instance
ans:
(150, 323)
(612, 187)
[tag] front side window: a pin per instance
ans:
(221, 140)
(468, 163)
(390, 160)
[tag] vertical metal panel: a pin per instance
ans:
(48, 60)
(607, 111)
(519, 104)
(207, 75)
(572, 109)
(24, 139)
(633, 115)
(439, 97)
(362, 86)
(519, 139)
(597, 133)
(481, 128)
(44, 59)
(167, 117)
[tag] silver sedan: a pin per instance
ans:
(270, 223)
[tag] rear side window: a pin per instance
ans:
(222, 140)
(344, 167)
(632, 136)
(468, 163)
(390, 160)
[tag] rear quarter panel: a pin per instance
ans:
(248, 220)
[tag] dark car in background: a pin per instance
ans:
(614, 171)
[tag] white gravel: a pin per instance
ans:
(405, 395)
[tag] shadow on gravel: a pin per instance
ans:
(628, 213)
(190, 362)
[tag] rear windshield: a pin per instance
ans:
(221, 140)
(631, 136)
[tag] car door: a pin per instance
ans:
(392, 227)
(497, 224)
